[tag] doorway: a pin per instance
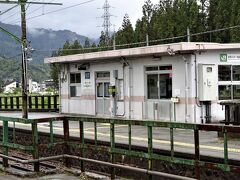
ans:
(102, 94)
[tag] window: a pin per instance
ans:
(103, 89)
(159, 82)
(229, 82)
(73, 91)
(103, 74)
(75, 80)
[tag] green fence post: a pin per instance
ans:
(150, 150)
(17, 103)
(1, 103)
(14, 132)
(225, 147)
(35, 145)
(66, 140)
(81, 127)
(112, 142)
(197, 153)
(5, 143)
(51, 131)
(95, 133)
(129, 137)
(172, 143)
(36, 102)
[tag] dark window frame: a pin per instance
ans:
(75, 80)
(161, 70)
(232, 82)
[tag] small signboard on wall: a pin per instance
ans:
(231, 58)
(87, 75)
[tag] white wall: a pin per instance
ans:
(10, 88)
(134, 80)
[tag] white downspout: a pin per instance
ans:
(130, 91)
(186, 89)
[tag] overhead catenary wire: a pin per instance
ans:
(7, 10)
(57, 10)
(16, 13)
(28, 13)
(143, 42)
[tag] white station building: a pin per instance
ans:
(182, 82)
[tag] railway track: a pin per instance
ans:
(105, 144)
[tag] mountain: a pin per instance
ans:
(42, 40)
(11, 69)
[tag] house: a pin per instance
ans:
(33, 86)
(10, 86)
(182, 82)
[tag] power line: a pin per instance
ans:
(144, 43)
(36, 9)
(16, 13)
(1, 13)
(61, 9)
(16, 19)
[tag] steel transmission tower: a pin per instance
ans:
(106, 21)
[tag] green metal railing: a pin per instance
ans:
(114, 150)
(36, 103)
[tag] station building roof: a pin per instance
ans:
(155, 51)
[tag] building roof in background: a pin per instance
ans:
(165, 49)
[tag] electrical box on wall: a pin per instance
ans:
(207, 82)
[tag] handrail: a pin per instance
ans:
(36, 103)
(114, 150)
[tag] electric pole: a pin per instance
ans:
(24, 46)
(24, 62)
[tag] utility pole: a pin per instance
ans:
(24, 46)
(24, 62)
(188, 21)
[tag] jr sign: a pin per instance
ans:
(232, 58)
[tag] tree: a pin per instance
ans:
(125, 35)
(219, 17)
(147, 10)
(54, 74)
(235, 20)
(76, 47)
(87, 43)
(102, 40)
(139, 35)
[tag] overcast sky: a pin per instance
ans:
(81, 19)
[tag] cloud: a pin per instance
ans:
(36, 32)
(81, 19)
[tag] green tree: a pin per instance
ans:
(76, 47)
(235, 20)
(54, 74)
(220, 17)
(125, 35)
(87, 43)
(102, 40)
(147, 10)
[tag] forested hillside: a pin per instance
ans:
(172, 18)
(11, 69)
(168, 21)
(42, 40)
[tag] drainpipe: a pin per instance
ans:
(196, 87)
(130, 90)
(186, 88)
(60, 91)
(124, 91)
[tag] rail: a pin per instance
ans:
(7, 142)
(36, 103)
